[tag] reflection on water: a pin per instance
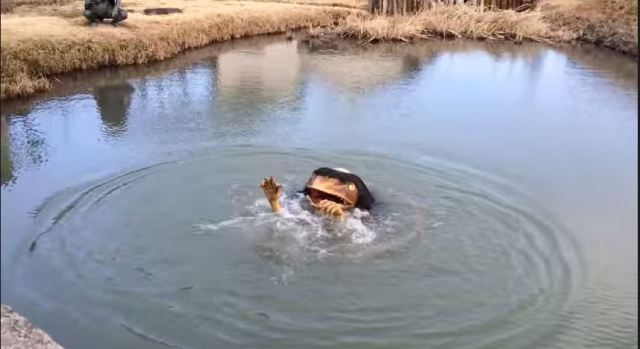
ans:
(411, 64)
(6, 169)
(113, 104)
(557, 126)
(251, 82)
(24, 146)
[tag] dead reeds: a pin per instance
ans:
(612, 24)
(405, 7)
(447, 21)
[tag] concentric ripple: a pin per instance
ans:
(186, 254)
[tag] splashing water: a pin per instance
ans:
(298, 230)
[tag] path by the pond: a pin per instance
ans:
(506, 177)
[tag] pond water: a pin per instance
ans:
(505, 175)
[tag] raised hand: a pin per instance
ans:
(272, 190)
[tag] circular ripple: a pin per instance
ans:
(450, 257)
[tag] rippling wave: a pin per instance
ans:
(450, 257)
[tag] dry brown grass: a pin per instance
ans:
(353, 4)
(607, 8)
(40, 38)
(42, 2)
(7, 6)
(609, 23)
(34, 47)
(447, 21)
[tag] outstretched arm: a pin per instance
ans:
(272, 191)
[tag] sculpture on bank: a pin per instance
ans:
(98, 10)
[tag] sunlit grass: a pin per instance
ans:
(448, 21)
(40, 38)
(35, 46)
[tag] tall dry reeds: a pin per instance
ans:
(404, 7)
(447, 21)
(608, 23)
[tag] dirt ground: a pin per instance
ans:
(19, 333)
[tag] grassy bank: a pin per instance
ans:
(41, 38)
(38, 41)
(609, 23)
(447, 21)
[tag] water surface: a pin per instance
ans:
(506, 177)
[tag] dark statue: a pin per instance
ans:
(98, 10)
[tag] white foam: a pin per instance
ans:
(302, 225)
(255, 220)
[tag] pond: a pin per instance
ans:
(505, 178)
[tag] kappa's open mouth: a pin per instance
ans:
(316, 196)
